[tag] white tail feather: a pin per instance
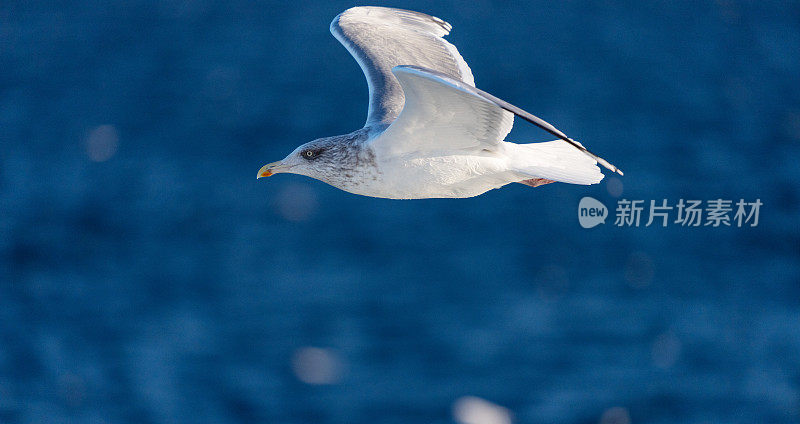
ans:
(554, 160)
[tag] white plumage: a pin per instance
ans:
(429, 131)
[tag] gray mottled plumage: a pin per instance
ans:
(344, 161)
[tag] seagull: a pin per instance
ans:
(429, 132)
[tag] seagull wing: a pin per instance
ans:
(381, 38)
(442, 114)
(445, 114)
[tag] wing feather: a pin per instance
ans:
(381, 38)
(475, 117)
(442, 114)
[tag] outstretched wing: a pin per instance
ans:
(381, 38)
(442, 113)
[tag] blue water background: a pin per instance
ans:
(147, 277)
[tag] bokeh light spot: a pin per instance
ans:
(615, 415)
(313, 365)
(102, 143)
(666, 350)
(474, 410)
(614, 186)
(297, 202)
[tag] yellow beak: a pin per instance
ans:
(268, 169)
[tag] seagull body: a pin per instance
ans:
(429, 132)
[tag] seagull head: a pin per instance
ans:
(320, 159)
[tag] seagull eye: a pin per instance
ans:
(308, 154)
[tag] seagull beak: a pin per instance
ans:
(269, 169)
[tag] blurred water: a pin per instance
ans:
(148, 277)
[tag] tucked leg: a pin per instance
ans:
(536, 182)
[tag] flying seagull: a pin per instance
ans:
(429, 132)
